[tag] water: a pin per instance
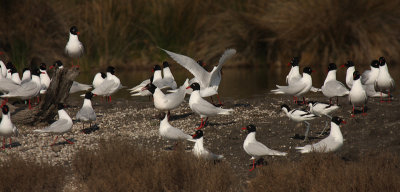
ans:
(236, 82)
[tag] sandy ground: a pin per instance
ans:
(138, 120)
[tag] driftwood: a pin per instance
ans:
(57, 92)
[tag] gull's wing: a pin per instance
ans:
(26, 89)
(334, 88)
(291, 89)
(191, 65)
(86, 114)
(365, 76)
(105, 87)
(258, 149)
(59, 126)
(227, 54)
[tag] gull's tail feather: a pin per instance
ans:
(277, 91)
(226, 111)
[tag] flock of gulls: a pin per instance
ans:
(167, 96)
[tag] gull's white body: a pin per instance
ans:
(297, 88)
(7, 128)
(86, 113)
(26, 77)
(384, 82)
(169, 101)
(333, 87)
(204, 108)
(357, 96)
(74, 47)
(109, 86)
(167, 131)
(256, 149)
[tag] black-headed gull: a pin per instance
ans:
(59, 127)
(13, 74)
(294, 73)
(167, 131)
(7, 128)
(299, 115)
(256, 149)
(209, 81)
(357, 96)
(203, 107)
(109, 86)
(86, 113)
(298, 88)
(322, 109)
(199, 151)
(26, 75)
(384, 82)
(27, 90)
(167, 102)
(331, 143)
(74, 47)
(367, 77)
(44, 78)
(333, 87)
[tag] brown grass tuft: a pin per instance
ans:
(122, 166)
(20, 175)
(328, 172)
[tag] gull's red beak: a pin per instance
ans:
(344, 122)
(78, 33)
(204, 64)
(188, 87)
(193, 136)
(244, 128)
(288, 64)
(152, 70)
(51, 67)
(1, 52)
(43, 73)
(342, 66)
(94, 95)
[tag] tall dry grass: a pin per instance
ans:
(21, 175)
(328, 172)
(123, 166)
(126, 33)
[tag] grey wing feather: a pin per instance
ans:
(227, 54)
(191, 65)
(259, 149)
(26, 89)
(57, 127)
(365, 76)
(86, 114)
(334, 88)
(293, 88)
(104, 88)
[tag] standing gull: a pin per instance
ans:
(7, 128)
(357, 96)
(384, 82)
(59, 127)
(199, 150)
(86, 113)
(74, 47)
(333, 87)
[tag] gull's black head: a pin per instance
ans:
(375, 64)
(338, 120)
(356, 75)
(58, 63)
(198, 134)
(25, 69)
(74, 30)
(9, 65)
(156, 68)
(194, 86)
(165, 64)
(250, 128)
(60, 106)
(111, 69)
(284, 106)
(382, 61)
(201, 63)
(151, 87)
(13, 70)
(5, 109)
(294, 61)
(332, 66)
(349, 64)
(311, 102)
(307, 70)
(103, 75)
(88, 95)
(42, 66)
(35, 71)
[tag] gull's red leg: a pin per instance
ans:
(253, 165)
(54, 141)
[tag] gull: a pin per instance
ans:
(333, 87)
(384, 82)
(256, 149)
(331, 143)
(299, 115)
(199, 151)
(27, 90)
(7, 128)
(297, 88)
(13, 73)
(86, 113)
(294, 74)
(167, 131)
(59, 127)
(367, 77)
(322, 109)
(74, 47)
(208, 81)
(110, 85)
(203, 107)
(167, 102)
(26, 75)
(168, 78)
(44, 78)
(357, 96)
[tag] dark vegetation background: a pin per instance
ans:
(126, 33)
